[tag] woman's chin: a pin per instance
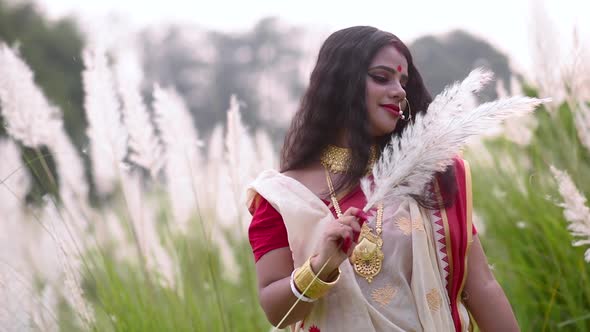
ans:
(380, 132)
(388, 129)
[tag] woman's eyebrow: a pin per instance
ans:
(389, 69)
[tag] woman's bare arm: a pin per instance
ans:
(485, 298)
(275, 267)
(274, 272)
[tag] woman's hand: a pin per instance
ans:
(338, 242)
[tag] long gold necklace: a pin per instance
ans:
(367, 257)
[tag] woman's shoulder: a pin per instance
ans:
(298, 182)
(303, 172)
(312, 177)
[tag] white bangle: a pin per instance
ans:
(296, 291)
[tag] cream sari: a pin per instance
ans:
(398, 299)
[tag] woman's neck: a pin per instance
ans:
(343, 141)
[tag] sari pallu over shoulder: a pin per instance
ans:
(454, 234)
(304, 215)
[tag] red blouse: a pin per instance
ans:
(267, 230)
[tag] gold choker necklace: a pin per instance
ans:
(337, 159)
(367, 256)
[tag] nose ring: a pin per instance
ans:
(409, 117)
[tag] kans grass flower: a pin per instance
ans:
(575, 210)
(182, 154)
(108, 137)
(29, 117)
(145, 149)
(428, 145)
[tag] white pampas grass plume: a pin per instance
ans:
(575, 210)
(69, 258)
(69, 164)
(215, 146)
(233, 139)
(455, 98)
(231, 269)
(14, 185)
(14, 180)
(113, 231)
(409, 161)
(452, 100)
(16, 277)
(44, 316)
(143, 221)
(24, 307)
(108, 138)
(144, 147)
(547, 57)
(183, 155)
(576, 69)
(73, 188)
(215, 170)
(21, 305)
(519, 130)
(28, 115)
(34, 121)
(582, 116)
(15, 289)
(241, 161)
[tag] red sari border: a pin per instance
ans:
(457, 223)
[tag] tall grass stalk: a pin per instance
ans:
(169, 251)
(526, 237)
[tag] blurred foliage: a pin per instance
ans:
(52, 50)
(204, 297)
(526, 239)
(442, 60)
(207, 67)
(544, 277)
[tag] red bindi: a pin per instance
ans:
(399, 68)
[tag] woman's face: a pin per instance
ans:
(386, 80)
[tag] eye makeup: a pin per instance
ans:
(383, 79)
(378, 78)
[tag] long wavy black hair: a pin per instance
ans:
(334, 102)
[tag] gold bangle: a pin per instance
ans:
(311, 286)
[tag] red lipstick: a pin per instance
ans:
(392, 108)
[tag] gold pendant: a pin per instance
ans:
(367, 257)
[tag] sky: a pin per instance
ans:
(504, 23)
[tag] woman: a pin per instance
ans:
(415, 265)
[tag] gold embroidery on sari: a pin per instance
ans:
(384, 295)
(434, 299)
(406, 226)
(418, 225)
